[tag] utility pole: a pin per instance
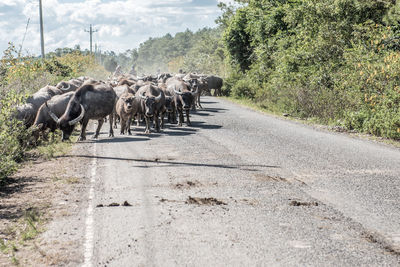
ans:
(41, 28)
(91, 31)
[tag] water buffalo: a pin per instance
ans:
(120, 90)
(125, 110)
(43, 120)
(183, 98)
(202, 86)
(169, 104)
(89, 102)
(193, 81)
(27, 112)
(215, 83)
(150, 103)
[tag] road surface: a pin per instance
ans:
(241, 188)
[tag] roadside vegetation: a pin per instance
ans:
(336, 61)
(21, 77)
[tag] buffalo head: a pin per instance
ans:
(168, 103)
(73, 114)
(186, 98)
(150, 103)
(128, 102)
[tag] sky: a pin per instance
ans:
(120, 24)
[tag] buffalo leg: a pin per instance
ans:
(147, 119)
(180, 117)
(111, 132)
(162, 119)
(187, 118)
(115, 120)
(123, 126)
(99, 124)
(169, 117)
(129, 125)
(157, 122)
(198, 101)
(138, 120)
(82, 136)
(173, 115)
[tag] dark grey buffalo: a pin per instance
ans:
(193, 80)
(183, 98)
(125, 110)
(169, 104)
(43, 121)
(202, 86)
(150, 102)
(215, 82)
(27, 112)
(89, 102)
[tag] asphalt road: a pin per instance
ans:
(240, 188)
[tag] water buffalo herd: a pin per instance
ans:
(123, 98)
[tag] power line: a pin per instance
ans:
(91, 31)
(23, 39)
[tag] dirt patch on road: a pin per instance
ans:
(260, 177)
(40, 192)
(115, 204)
(204, 201)
(297, 203)
(186, 185)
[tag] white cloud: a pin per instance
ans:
(121, 24)
(11, 2)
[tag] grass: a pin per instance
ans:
(31, 220)
(55, 147)
(25, 229)
(72, 180)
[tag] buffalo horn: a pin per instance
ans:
(177, 92)
(195, 92)
(52, 115)
(80, 117)
(66, 88)
(158, 98)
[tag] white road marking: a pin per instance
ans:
(89, 234)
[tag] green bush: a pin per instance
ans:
(336, 61)
(12, 134)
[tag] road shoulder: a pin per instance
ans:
(42, 214)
